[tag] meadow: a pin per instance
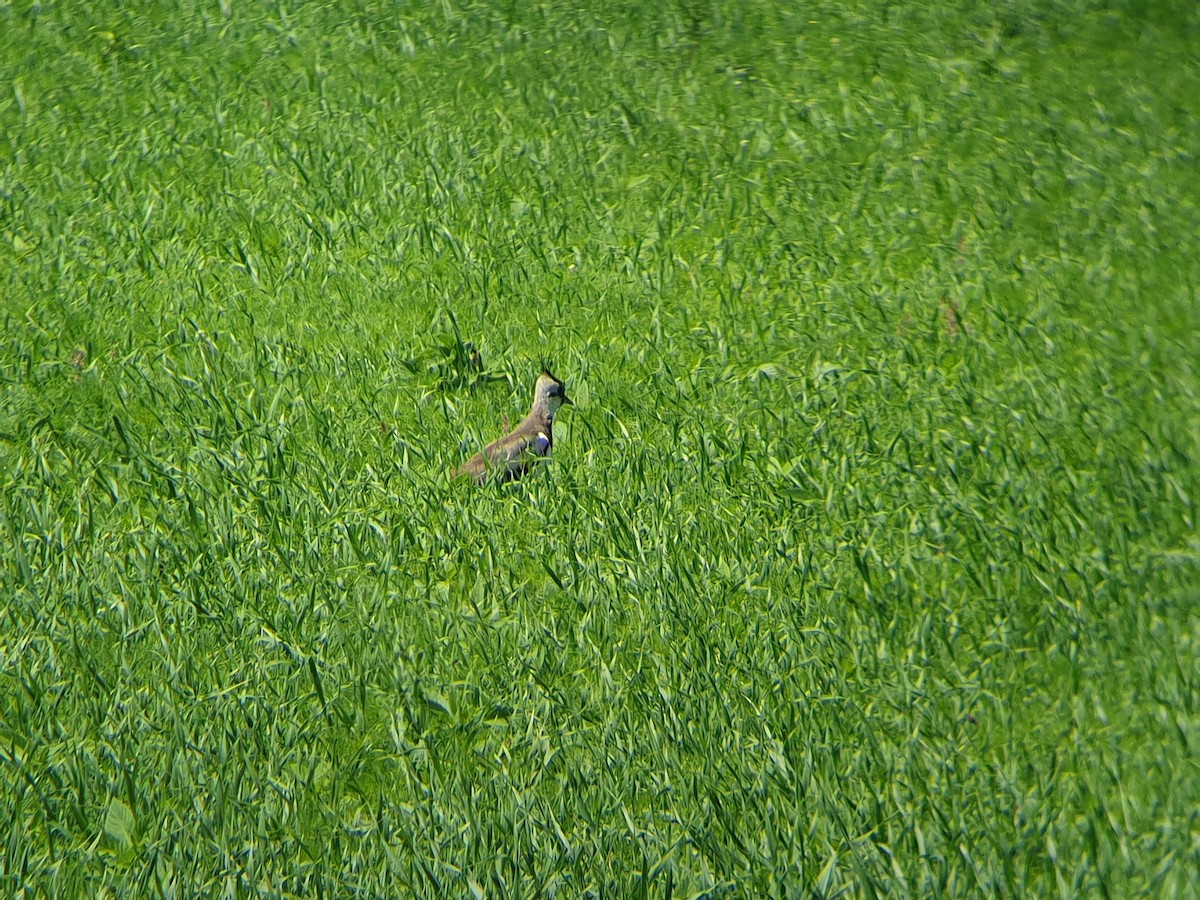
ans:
(867, 560)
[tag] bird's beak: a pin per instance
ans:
(567, 401)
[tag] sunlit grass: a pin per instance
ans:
(866, 563)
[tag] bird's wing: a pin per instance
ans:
(516, 452)
(509, 457)
(475, 468)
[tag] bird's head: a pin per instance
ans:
(549, 393)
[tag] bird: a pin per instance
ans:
(510, 457)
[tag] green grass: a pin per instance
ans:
(867, 562)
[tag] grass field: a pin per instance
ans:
(867, 563)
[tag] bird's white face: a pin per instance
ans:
(550, 393)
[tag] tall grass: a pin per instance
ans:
(867, 560)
